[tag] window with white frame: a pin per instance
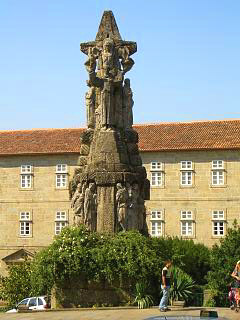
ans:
(26, 176)
(25, 224)
(218, 222)
(61, 176)
(186, 173)
(217, 173)
(156, 223)
(61, 221)
(187, 223)
(156, 173)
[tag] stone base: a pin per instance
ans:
(94, 294)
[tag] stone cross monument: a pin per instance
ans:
(109, 186)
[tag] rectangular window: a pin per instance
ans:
(218, 173)
(61, 176)
(156, 165)
(187, 228)
(25, 224)
(187, 223)
(156, 223)
(186, 165)
(156, 179)
(26, 168)
(217, 164)
(156, 228)
(26, 181)
(61, 168)
(218, 222)
(186, 215)
(156, 173)
(26, 176)
(186, 173)
(218, 228)
(218, 215)
(60, 221)
(217, 177)
(186, 178)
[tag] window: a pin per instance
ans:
(25, 224)
(186, 165)
(217, 172)
(60, 221)
(218, 222)
(61, 176)
(156, 223)
(26, 176)
(187, 223)
(186, 173)
(156, 165)
(156, 173)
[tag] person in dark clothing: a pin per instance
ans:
(166, 283)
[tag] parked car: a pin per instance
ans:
(32, 303)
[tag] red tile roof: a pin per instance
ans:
(198, 135)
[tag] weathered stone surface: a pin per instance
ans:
(82, 161)
(84, 150)
(112, 174)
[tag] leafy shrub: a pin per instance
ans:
(223, 260)
(142, 298)
(182, 287)
(17, 285)
(124, 259)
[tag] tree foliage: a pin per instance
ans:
(127, 256)
(223, 260)
(17, 285)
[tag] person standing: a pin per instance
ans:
(166, 283)
(236, 276)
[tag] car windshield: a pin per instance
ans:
(23, 302)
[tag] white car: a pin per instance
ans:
(32, 303)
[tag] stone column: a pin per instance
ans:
(106, 209)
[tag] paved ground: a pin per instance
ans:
(126, 314)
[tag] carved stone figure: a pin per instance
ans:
(128, 104)
(90, 207)
(77, 204)
(90, 105)
(133, 207)
(122, 204)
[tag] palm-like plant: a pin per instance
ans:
(182, 287)
(142, 299)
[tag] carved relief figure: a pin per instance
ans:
(77, 204)
(90, 207)
(90, 105)
(128, 104)
(107, 61)
(122, 204)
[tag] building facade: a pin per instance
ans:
(193, 169)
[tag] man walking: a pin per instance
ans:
(166, 278)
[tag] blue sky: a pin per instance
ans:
(187, 66)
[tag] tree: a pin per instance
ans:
(223, 260)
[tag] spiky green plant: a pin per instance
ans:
(182, 287)
(142, 299)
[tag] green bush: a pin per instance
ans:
(124, 257)
(223, 260)
(142, 298)
(17, 285)
(182, 287)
